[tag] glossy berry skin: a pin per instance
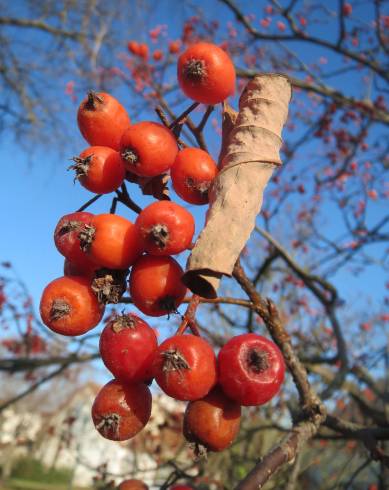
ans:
(133, 485)
(84, 269)
(102, 120)
(128, 346)
(165, 228)
(192, 175)
(181, 487)
(148, 149)
(185, 367)
(155, 285)
(206, 73)
(66, 236)
(68, 306)
(213, 421)
(99, 169)
(111, 241)
(251, 369)
(121, 410)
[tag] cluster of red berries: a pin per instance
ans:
(100, 250)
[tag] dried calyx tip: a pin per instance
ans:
(195, 70)
(93, 99)
(109, 423)
(201, 187)
(121, 322)
(173, 360)
(59, 309)
(81, 166)
(86, 237)
(200, 451)
(130, 156)
(69, 226)
(159, 234)
(258, 360)
(109, 285)
(168, 303)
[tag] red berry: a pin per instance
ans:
(66, 236)
(133, 47)
(133, 485)
(174, 46)
(121, 410)
(84, 269)
(143, 51)
(157, 55)
(68, 306)
(185, 367)
(111, 241)
(181, 487)
(99, 169)
(128, 346)
(192, 175)
(155, 285)
(166, 228)
(206, 73)
(148, 149)
(102, 120)
(347, 9)
(251, 369)
(213, 421)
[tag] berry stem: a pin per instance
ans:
(182, 116)
(188, 319)
(124, 197)
(205, 118)
(88, 203)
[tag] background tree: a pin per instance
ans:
(319, 250)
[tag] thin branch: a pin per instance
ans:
(313, 412)
(34, 386)
(365, 107)
(37, 24)
(88, 203)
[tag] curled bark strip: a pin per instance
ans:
(248, 161)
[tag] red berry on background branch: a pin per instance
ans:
(347, 9)
(121, 410)
(166, 228)
(185, 367)
(251, 369)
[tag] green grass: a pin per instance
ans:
(20, 484)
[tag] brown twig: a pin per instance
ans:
(188, 319)
(124, 197)
(312, 413)
(181, 118)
